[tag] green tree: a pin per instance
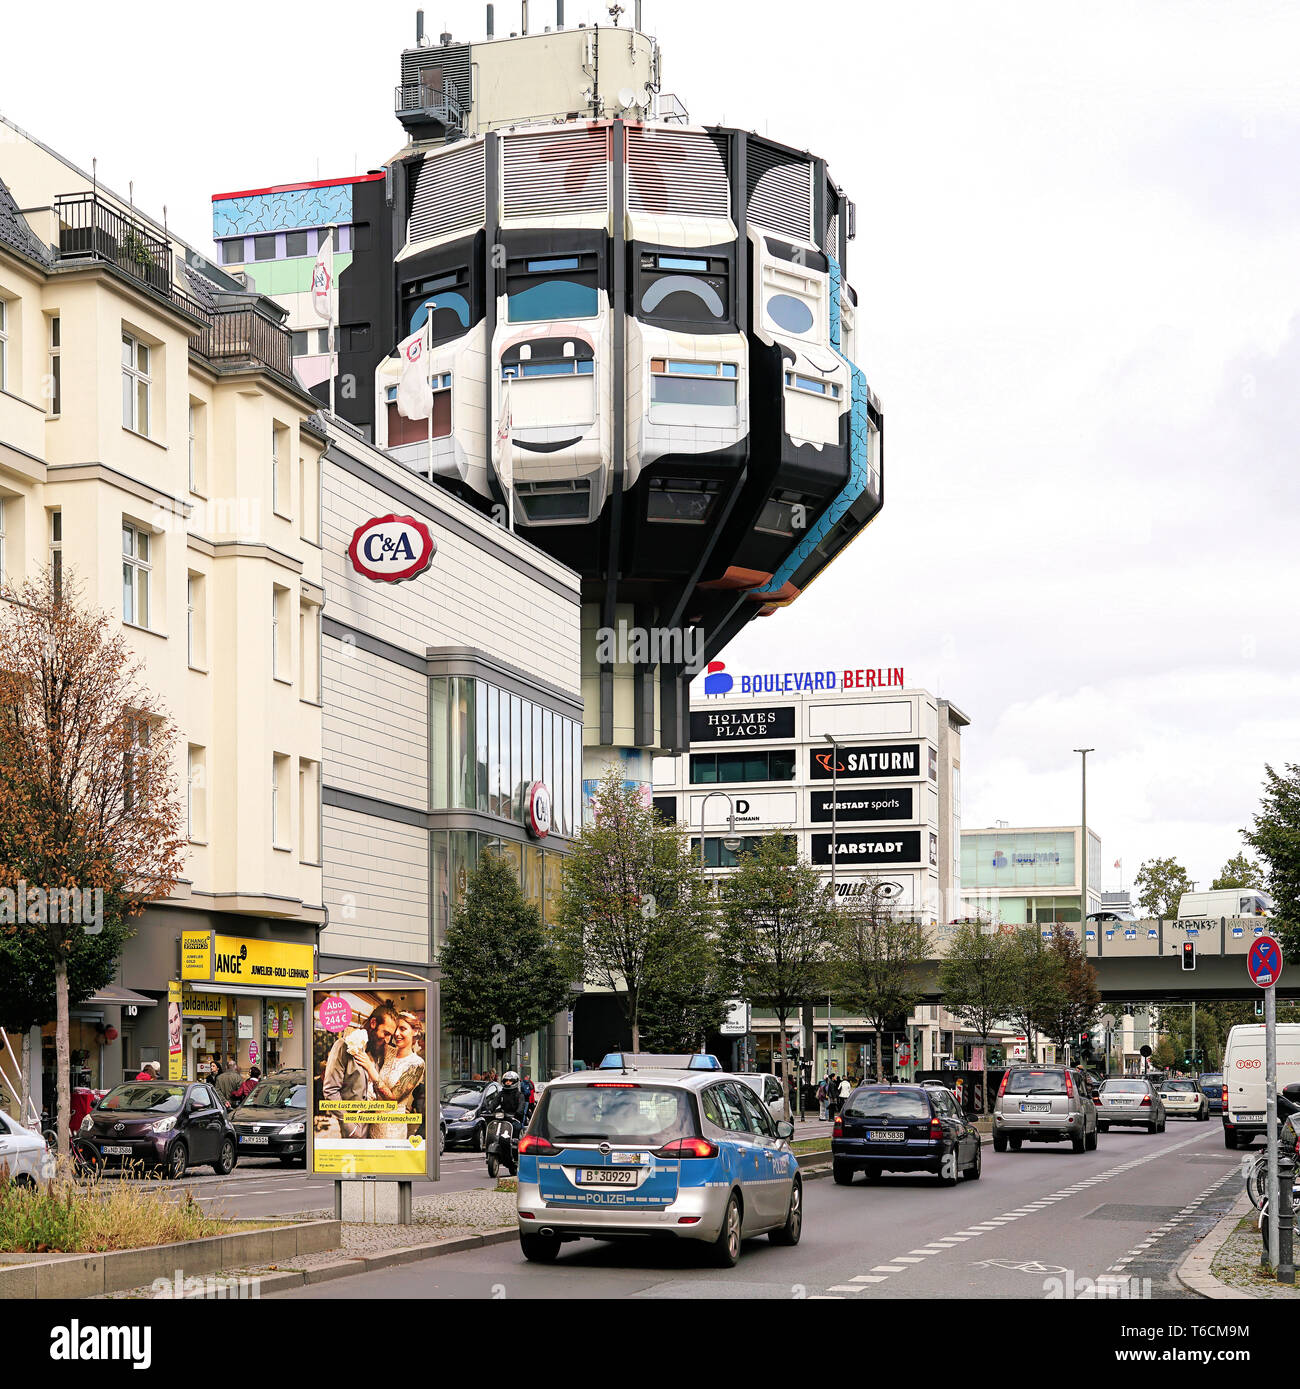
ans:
(877, 963)
(633, 903)
(978, 982)
(678, 1013)
(1075, 999)
(89, 799)
(1038, 985)
(781, 924)
(1160, 883)
(504, 974)
(1239, 871)
(1275, 837)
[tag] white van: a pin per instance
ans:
(1243, 1078)
(1232, 901)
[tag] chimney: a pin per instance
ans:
(490, 21)
(559, 14)
(419, 28)
(523, 29)
(637, 21)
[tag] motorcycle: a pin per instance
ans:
(501, 1144)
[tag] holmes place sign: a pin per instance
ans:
(741, 725)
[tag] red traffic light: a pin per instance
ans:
(1189, 954)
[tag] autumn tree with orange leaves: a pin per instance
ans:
(88, 793)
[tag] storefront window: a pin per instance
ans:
(494, 751)
(481, 737)
(552, 873)
(463, 861)
(533, 885)
(439, 880)
(535, 766)
(463, 743)
(515, 807)
(509, 849)
(439, 734)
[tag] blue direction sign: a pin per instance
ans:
(1264, 961)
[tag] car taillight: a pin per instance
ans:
(936, 1131)
(1069, 1087)
(1002, 1089)
(1146, 1100)
(1224, 1100)
(535, 1143)
(688, 1148)
(838, 1130)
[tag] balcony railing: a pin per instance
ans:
(434, 98)
(237, 335)
(91, 228)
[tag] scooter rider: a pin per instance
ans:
(513, 1101)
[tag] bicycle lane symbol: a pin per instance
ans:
(1020, 1266)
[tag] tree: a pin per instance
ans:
(1161, 882)
(1239, 871)
(1073, 1004)
(977, 980)
(504, 974)
(89, 797)
(781, 923)
(1275, 836)
(1037, 984)
(877, 963)
(633, 901)
(677, 1014)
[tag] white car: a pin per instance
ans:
(1184, 1098)
(24, 1153)
(767, 1088)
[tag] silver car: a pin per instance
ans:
(1044, 1104)
(1132, 1101)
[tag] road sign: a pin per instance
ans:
(1264, 962)
(904, 1054)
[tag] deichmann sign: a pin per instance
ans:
(741, 725)
(390, 549)
(854, 807)
(757, 808)
(212, 959)
(880, 849)
(855, 763)
(365, 1122)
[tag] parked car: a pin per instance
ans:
(272, 1121)
(674, 1154)
(166, 1125)
(768, 1089)
(466, 1105)
(1044, 1104)
(24, 1155)
(904, 1128)
(1212, 1088)
(1183, 1099)
(1130, 1101)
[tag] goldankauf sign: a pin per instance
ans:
(854, 806)
(852, 763)
(878, 849)
(741, 725)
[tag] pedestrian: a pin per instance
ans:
(149, 1071)
(243, 1091)
(229, 1080)
(846, 1089)
(821, 1100)
(832, 1094)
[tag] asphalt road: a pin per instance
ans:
(1038, 1223)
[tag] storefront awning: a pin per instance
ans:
(114, 995)
(243, 990)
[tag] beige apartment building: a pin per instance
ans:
(154, 442)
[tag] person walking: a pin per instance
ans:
(821, 1100)
(832, 1094)
(229, 1080)
(846, 1089)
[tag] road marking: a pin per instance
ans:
(890, 1268)
(843, 1288)
(869, 1278)
(903, 1259)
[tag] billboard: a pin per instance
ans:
(372, 1088)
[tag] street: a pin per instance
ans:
(1036, 1225)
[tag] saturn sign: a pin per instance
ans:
(390, 549)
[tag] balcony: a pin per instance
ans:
(91, 228)
(238, 335)
(429, 108)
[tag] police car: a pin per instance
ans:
(677, 1149)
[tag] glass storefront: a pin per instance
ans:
(487, 746)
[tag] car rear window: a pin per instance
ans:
(1183, 1085)
(887, 1104)
(1137, 1087)
(615, 1112)
(1211, 1085)
(1036, 1083)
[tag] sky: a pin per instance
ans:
(1079, 295)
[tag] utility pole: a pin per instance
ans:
(1083, 856)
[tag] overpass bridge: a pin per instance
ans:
(1142, 960)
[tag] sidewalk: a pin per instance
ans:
(1225, 1265)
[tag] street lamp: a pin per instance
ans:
(835, 769)
(731, 841)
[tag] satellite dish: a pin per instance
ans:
(626, 97)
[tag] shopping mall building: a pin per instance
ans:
(1028, 875)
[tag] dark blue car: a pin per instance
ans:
(1212, 1089)
(904, 1128)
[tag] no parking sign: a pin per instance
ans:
(1264, 962)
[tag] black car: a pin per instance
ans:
(466, 1105)
(1211, 1086)
(272, 1121)
(160, 1125)
(904, 1128)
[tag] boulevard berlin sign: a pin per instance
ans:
(717, 680)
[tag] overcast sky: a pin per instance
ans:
(1079, 284)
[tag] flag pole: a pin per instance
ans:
(428, 350)
(334, 309)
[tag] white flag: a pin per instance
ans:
(414, 394)
(505, 455)
(323, 296)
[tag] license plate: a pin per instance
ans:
(605, 1176)
(1035, 1108)
(116, 1150)
(889, 1135)
(253, 1138)
(1250, 1118)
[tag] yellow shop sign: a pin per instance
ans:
(279, 964)
(196, 954)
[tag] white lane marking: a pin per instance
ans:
(903, 1259)
(890, 1268)
(869, 1278)
(844, 1288)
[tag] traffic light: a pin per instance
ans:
(1189, 954)
(1085, 1046)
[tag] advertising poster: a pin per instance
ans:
(175, 1056)
(369, 1092)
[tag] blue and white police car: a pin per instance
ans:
(646, 1147)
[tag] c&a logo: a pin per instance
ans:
(392, 548)
(717, 681)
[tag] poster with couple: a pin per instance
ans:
(370, 1085)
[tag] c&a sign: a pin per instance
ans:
(390, 549)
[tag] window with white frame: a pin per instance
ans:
(191, 444)
(137, 384)
(280, 480)
(309, 651)
(197, 430)
(4, 344)
(196, 619)
(280, 793)
(54, 377)
(137, 573)
(134, 786)
(308, 811)
(196, 794)
(56, 550)
(281, 634)
(2, 540)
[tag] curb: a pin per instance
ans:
(1194, 1271)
